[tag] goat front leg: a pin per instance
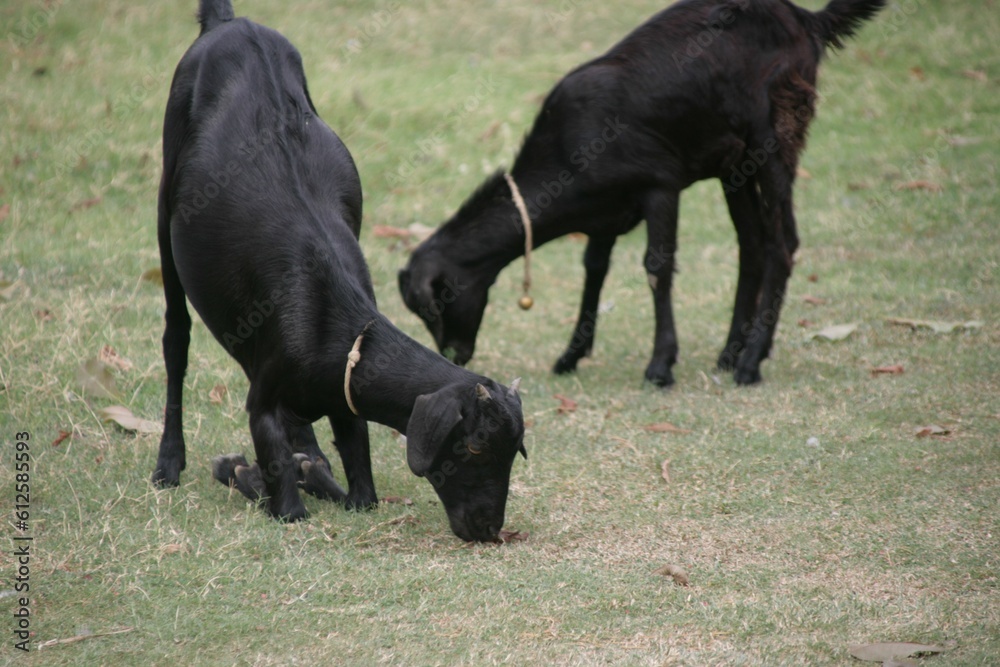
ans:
(176, 339)
(744, 209)
(351, 439)
(273, 443)
(596, 261)
(660, 211)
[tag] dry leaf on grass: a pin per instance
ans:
(128, 421)
(936, 326)
(4, 212)
(813, 300)
(397, 500)
(7, 289)
(420, 232)
(61, 437)
(889, 651)
(96, 379)
(930, 186)
(676, 572)
(111, 357)
(964, 141)
(896, 369)
(172, 548)
(490, 131)
(665, 470)
(217, 394)
(506, 536)
(80, 638)
(975, 75)
(804, 323)
(84, 204)
(153, 275)
(931, 429)
(566, 404)
(390, 232)
(664, 427)
(835, 332)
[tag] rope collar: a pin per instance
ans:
(353, 357)
(526, 300)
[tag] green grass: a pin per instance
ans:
(794, 550)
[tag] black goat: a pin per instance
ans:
(259, 213)
(705, 89)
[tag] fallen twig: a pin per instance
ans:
(80, 638)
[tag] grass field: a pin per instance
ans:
(807, 513)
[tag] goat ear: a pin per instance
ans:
(433, 418)
(417, 292)
(404, 282)
(515, 387)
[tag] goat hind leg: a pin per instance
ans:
(596, 261)
(176, 339)
(660, 211)
(234, 471)
(779, 243)
(272, 441)
(744, 209)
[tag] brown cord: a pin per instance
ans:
(353, 357)
(526, 221)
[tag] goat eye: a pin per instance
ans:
(474, 448)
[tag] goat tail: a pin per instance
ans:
(842, 18)
(213, 12)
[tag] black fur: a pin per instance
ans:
(259, 213)
(706, 89)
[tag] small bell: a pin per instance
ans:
(525, 302)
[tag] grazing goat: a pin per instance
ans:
(705, 89)
(259, 214)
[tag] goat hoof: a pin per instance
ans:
(224, 467)
(565, 365)
(367, 502)
(249, 482)
(290, 512)
(747, 376)
(167, 475)
(317, 480)
(301, 463)
(659, 375)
